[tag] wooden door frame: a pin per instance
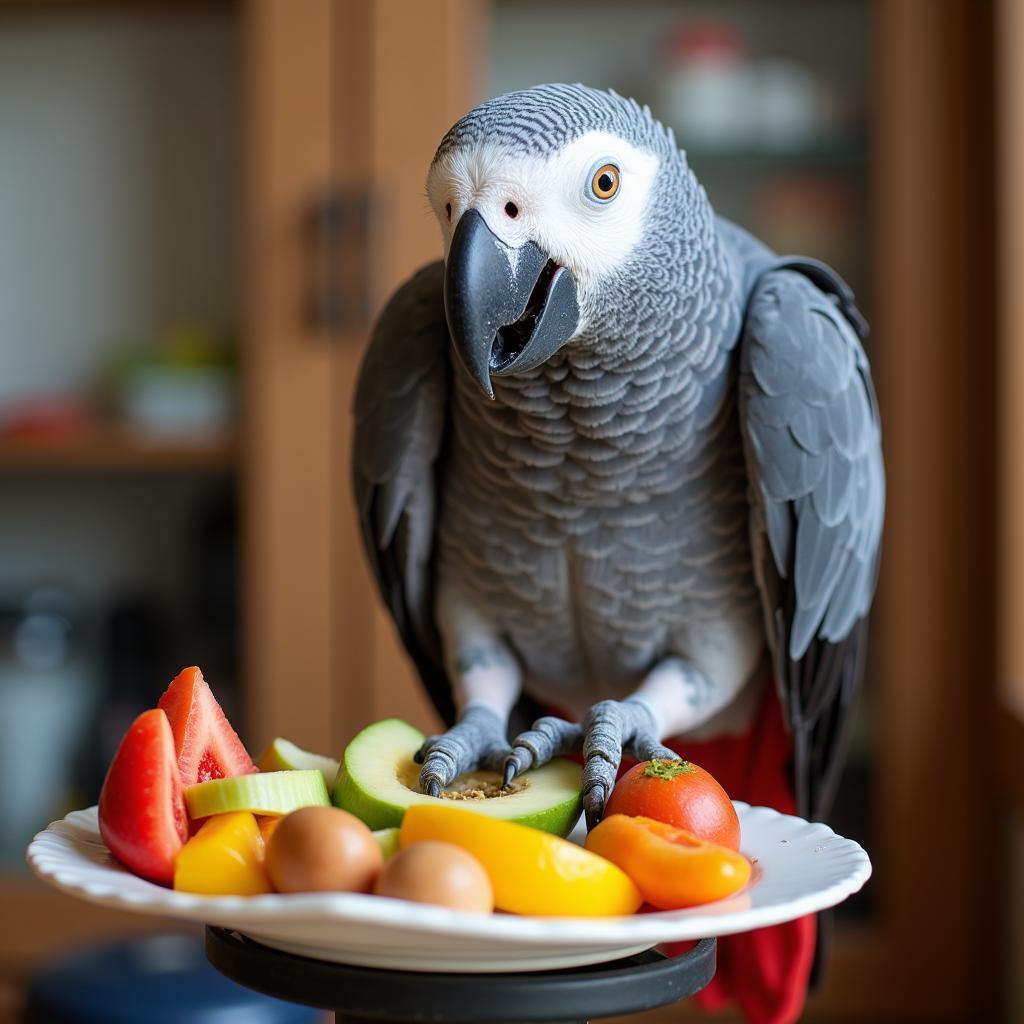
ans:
(1009, 107)
(929, 954)
(286, 484)
(437, 46)
(330, 109)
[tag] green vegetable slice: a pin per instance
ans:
(388, 840)
(282, 755)
(262, 793)
(379, 780)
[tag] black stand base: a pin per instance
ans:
(359, 995)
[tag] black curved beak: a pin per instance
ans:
(508, 309)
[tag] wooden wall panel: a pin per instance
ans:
(288, 619)
(352, 142)
(933, 345)
(1010, 160)
(425, 56)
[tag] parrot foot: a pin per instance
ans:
(549, 737)
(477, 740)
(611, 727)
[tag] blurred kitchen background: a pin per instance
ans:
(202, 205)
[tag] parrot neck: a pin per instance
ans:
(647, 389)
(680, 299)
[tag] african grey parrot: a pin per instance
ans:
(653, 461)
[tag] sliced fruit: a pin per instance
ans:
(532, 872)
(282, 755)
(264, 793)
(224, 858)
(207, 746)
(379, 781)
(678, 793)
(670, 866)
(142, 811)
(387, 838)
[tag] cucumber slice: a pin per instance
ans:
(379, 780)
(283, 756)
(262, 793)
(388, 840)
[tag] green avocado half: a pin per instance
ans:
(379, 780)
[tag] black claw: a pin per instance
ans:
(593, 805)
(510, 772)
(421, 755)
(433, 788)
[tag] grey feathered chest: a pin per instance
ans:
(597, 508)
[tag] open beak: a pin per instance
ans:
(508, 309)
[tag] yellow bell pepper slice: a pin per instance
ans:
(224, 858)
(532, 872)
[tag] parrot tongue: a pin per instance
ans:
(511, 339)
(549, 321)
(508, 310)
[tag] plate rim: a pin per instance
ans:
(62, 837)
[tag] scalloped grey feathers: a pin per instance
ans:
(817, 485)
(813, 453)
(401, 416)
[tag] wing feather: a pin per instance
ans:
(817, 491)
(401, 422)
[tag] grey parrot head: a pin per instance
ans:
(564, 211)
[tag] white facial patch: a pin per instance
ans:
(552, 202)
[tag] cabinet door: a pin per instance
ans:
(347, 101)
(425, 63)
(289, 490)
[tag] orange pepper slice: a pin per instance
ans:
(671, 867)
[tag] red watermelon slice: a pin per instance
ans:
(207, 746)
(143, 819)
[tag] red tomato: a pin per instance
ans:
(678, 793)
(143, 819)
(207, 746)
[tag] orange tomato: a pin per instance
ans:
(672, 868)
(678, 793)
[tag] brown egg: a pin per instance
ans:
(322, 849)
(440, 873)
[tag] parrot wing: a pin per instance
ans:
(811, 433)
(400, 425)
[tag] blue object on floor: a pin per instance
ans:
(153, 979)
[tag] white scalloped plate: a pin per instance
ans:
(799, 867)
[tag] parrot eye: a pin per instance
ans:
(604, 182)
(448, 211)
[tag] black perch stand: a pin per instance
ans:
(358, 995)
